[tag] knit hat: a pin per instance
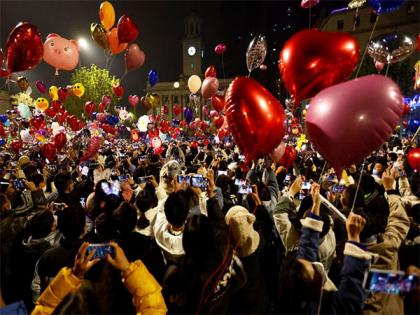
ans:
(243, 233)
(24, 159)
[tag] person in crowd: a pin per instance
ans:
(65, 188)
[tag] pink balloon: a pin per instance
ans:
(347, 121)
(220, 49)
(106, 100)
(61, 53)
(379, 65)
(209, 87)
(41, 86)
(206, 110)
(213, 113)
(306, 4)
(133, 100)
(134, 57)
(278, 152)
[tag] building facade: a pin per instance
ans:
(177, 92)
(360, 22)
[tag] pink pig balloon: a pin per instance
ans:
(61, 53)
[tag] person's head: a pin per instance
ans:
(38, 180)
(169, 171)
(41, 224)
(82, 301)
(5, 204)
(299, 283)
(368, 184)
(71, 222)
(145, 200)
(176, 209)
(348, 197)
(380, 166)
(64, 183)
(263, 192)
(223, 182)
(29, 169)
(124, 218)
(126, 191)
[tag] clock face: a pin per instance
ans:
(191, 50)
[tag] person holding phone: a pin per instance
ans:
(64, 295)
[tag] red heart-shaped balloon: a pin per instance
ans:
(50, 112)
(37, 122)
(406, 110)
(210, 72)
(254, 116)
(60, 118)
(56, 105)
(16, 145)
(413, 158)
(222, 133)
(312, 60)
(101, 107)
(218, 102)
(343, 128)
(127, 29)
(133, 100)
(177, 110)
(49, 151)
(118, 90)
(288, 157)
(90, 107)
(60, 140)
(218, 121)
(63, 93)
(24, 49)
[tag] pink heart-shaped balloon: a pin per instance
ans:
(347, 121)
(133, 100)
(278, 152)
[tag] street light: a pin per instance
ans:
(83, 43)
(176, 85)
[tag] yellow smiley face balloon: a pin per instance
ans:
(53, 91)
(42, 103)
(78, 89)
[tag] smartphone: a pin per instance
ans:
(18, 184)
(85, 170)
(306, 185)
(199, 181)
(184, 179)
(59, 206)
(245, 189)
(239, 182)
(241, 157)
(287, 179)
(388, 281)
(331, 177)
(101, 250)
(301, 196)
(222, 173)
(338, 188)
(83, 202)
(142, 158)
(123, 178)
(144, 179)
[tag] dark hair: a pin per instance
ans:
(177, 208)
(145, 200)
(294, 287)
(368, 183)
(40, 225)
(82, 301)
(3, 199)
(263, 192)
(124, 218)
(349, 195)
(37, 179)
(71, 222)
(223, 182)
(62, 181)
(29, 169)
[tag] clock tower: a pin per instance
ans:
(191, 47)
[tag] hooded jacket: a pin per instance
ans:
(146, 291)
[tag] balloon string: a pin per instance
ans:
(355, 19)
(367, 44)
(223, 68)
(322, 172)
(387, 68)
(123, 76)
(358, 185)
(415, 135)
(110, 64)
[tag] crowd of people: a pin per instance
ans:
(197, 230)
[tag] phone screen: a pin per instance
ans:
(184, 179)
(240, 182)
(85, 170)
(306, 185)
(143, 179)
(123, 178)
(391, 282)
(338, 188)
(221, 173)
(83, 202)
(199, 182)
(101, 250)
(18, 184)
(245, 189)
(287, 179)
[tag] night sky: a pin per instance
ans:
(161, 25)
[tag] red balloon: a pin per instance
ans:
(90, 107)
(49, 151)
(222, 133)
(50, 112)
(24, 48)
(177, 110)
(406, 110)
(343, 128)
(134, 57)
(288, 157)
(118, 90)
(413, 158)
(313, 60)
(404, 123)
(254, 116)
(16, 145)
(127, 29)
(210, 72)
(135, 135)
(218, 102)
(37, 122)
(93, 148)
(60, 140)
(133, 100)
(101, 107)
(220, 49)
(60, 118)
(63, 93)
(278, 152)
(56, 105)
(218, 121)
